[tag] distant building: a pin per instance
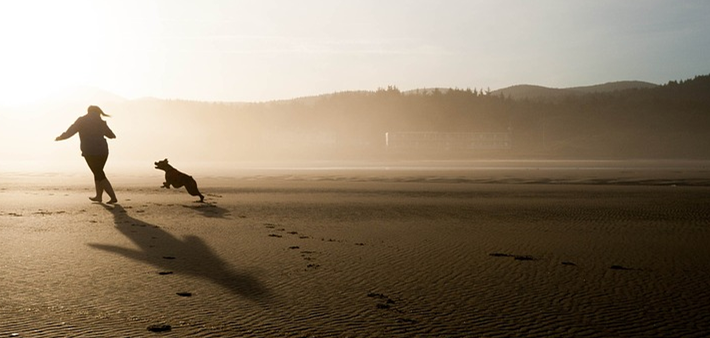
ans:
(443, 141)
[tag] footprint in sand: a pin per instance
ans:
(307, 256)
(159, 328)
(406, 321)
(386, 302)
(274, 227)
(523, 258)
(515, 257)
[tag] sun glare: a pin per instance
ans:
(47, 50)
(48, 46)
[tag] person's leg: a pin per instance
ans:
(106, 185)
(96, 164)
(99, 192)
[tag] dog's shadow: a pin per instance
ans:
(210, 210)
(189, 256)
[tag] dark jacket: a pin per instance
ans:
(91, 129)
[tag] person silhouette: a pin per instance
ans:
(94, 148)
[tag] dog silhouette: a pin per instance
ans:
(178, 179)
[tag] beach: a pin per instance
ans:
(564, 251)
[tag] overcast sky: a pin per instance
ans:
(260, 50)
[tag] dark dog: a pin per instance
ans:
(178, 179)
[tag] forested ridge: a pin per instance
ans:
(666, 121)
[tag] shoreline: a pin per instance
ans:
(638, 172)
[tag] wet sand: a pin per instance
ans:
(381, 253)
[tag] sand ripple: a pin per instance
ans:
(314, 259)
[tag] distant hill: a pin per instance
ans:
(639, 120)
(84, 94)
(618, 120)
(539, 92)
(614, 86)
(519, 92)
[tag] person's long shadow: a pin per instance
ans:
(190, 256)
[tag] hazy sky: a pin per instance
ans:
(219, 50)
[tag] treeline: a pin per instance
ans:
(668, 121)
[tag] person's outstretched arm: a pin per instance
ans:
(73, 129)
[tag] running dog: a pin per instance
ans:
(178, 179)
